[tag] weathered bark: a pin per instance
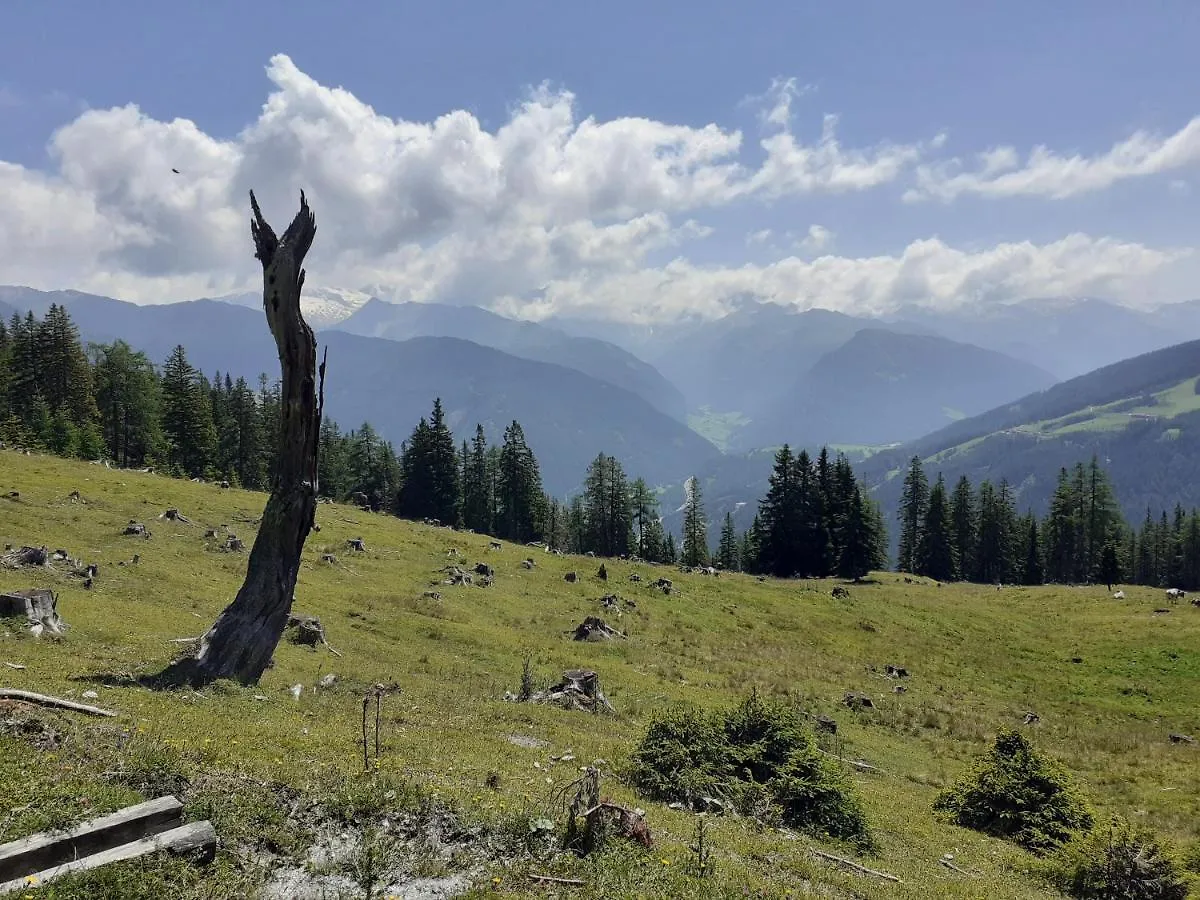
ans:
(38, 605)
(242, 640)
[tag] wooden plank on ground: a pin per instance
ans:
(195, 837)
(51, 848)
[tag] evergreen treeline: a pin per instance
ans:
(815, 520)
(975, 534)
(110, 401)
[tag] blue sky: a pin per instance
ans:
(938, 82)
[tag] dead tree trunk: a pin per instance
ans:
(242, 640)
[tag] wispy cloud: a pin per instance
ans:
(999, 172)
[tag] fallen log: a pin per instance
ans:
(852, 865)
(550, 879)
(55, 702)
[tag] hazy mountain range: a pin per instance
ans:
(760, 376)
(568, 416)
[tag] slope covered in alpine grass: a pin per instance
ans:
(1140, 417)
(272, 772)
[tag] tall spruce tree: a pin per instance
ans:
(727, 550)
(187, 416)
(478, 514)
(429, 471)
(520, 488)
(128, 395)
(964, 528)
(695, 526)
(1032, 571)
(609, 513)
(780, 518)
(935, 551)
(863, 539)
(914, 502)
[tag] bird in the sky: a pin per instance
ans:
(176, 171)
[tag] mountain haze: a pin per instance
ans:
(568, 416)
(600, 359)
(1140, 416)
(880, 387)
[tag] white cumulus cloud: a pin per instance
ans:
(551, 211)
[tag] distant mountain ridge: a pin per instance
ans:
(568, 416)
(600, 359)
(323, 307)
(881, 386)
(1140, 416)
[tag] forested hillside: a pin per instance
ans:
(1141, 417)
(567, 414)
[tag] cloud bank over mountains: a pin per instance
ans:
(552, 212)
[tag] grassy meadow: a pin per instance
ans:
(1110, 680)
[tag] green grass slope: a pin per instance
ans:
(265, 767)
(1140, 417)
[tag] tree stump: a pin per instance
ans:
(26, 556)
(357, 545)
(242, 640)
(602, 573)
(38, 605)
(305, 630)
(595, 629)
(571, 577)
(136, 529)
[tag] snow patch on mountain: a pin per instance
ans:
(323, 307)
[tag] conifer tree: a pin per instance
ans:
(643, 507)
(914, 501)
(520, 488)
(187, 416)
(964, 528)
(1031, 568)
(606, 499)
(935, 552)
(65, 379)
(128, 397)
(727, 549)
(1110, 565)
(779, 516)
(863, 540)
(477, 507)
(995, 559)
(695, 526)
(429, 471)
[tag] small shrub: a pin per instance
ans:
(1116, 863)
(682, 756)
(1020, 795)
(760, 757)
